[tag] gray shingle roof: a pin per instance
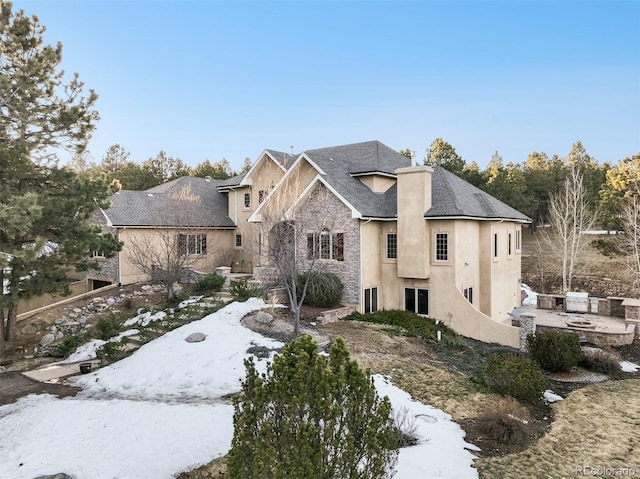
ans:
(164, 205)
(451, 195)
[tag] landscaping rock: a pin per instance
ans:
(195, 338)
(47, 339)
(264, 317)
(60, 320)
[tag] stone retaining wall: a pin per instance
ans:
(594, 285)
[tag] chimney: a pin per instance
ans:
(413, 201)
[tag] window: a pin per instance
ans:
(509, 245)
(370, 300)
(247, 200)
(97, 254)
(192, 244)
(325, 245)
(416, 300)
(392, 246)
(442, 247)
(518, 240)
(495, 246)
(468, 293)
(262, 194)
(238, 241)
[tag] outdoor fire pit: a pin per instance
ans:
(581, 323)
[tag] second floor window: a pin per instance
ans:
(247, 200)
(442, 247)
(325, 245)
(392, 246)
(238, 242)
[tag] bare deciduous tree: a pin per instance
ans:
(167, 252)
(630, 238)
(295, 238)
(571, 217)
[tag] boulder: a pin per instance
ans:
(264, 317)
(47, 339)
(60, 320)
(195, 338)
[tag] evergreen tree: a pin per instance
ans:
(443, 154)
(220, 170)
(311, 417)
(45, 211)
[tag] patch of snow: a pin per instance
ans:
(103, 439)
(170, 368)
(145, 318)
(629, 367)
(550, 396)
(86, 352)
(442, 451)
(532, 296)
(163, 404)
(187, 302)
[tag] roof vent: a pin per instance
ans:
(331, 159)
(149, 195)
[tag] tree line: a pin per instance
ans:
(529, 186)
(120, 172)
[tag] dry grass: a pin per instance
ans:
(598, 426)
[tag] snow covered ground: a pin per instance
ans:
(160, 411)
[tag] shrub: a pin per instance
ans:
(209, 283)
(311, 417)
(113, 351)
(513, 376)
(601, 362)
(506, 422)
(411, 324)
(241, 290)
(69, 344)
(555, 350)
(324, 290)
(109, 326)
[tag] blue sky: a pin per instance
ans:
(211, 79)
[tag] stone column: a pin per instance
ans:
(226, 272)
(527, 327)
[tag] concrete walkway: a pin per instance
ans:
(52, 373)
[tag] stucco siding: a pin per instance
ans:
(218, 242)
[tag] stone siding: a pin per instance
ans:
(324, 208)
(594, 285)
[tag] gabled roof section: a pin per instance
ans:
(283, 160)
(365, 157)
(454, 197)
(184, 202)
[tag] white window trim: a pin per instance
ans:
(518, 240)
(416, 289)
(246, 195)
(235, 241)
(317, 244)
(435, 248)
(495, 246)
(510, 245)
(386, 247)
(465, 293)
(370, 290)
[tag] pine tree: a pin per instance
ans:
(45, 211)
(311, 417)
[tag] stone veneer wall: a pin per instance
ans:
(594, 285)
(109, 267)
(322, 207)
